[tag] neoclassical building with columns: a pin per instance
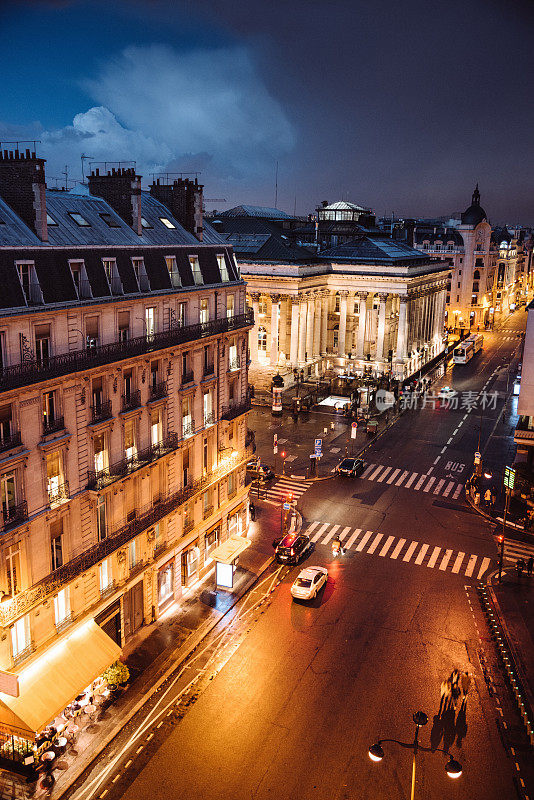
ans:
(372, 305)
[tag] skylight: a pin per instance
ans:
(50, 220)
(79, 220)
(110, 220)
(167, 222)
(145, 223)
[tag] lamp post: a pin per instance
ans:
(376, 753)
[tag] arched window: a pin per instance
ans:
(262, 339)
(476, 275)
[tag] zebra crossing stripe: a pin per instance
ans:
(411, 480)
(363, 541)
(470, 566)
(457, 492)
(393, 476)
(434, 557)
(445, 560)
(402, 477)
(353, 537)
(421, 554)
(330, 534)
(483, 567)
(420, 482)
(429, 485)
(386, 546)
(375, 473)
(375, 543)
(311, 528)
(320, 532)
(409, 552)
(448, 489)
(344, 533)
(368, 470)
(398, 548)
(381, 478)
(458, 562)
(438, 488)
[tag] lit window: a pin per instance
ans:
(62, 606)
(110, 220)
(167, 222)
(145, 223)
(195, 268)
(79, 220)
(20, 638)
(223, 269)
(50, 220)
(105, 575)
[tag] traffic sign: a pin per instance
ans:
(286, 506)
(477, 457)
(509, 477)
(275, 440)
(354, 424)
(275, 449)
(354, 428)
(318, 447)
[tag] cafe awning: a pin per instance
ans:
(51, 682)
(229, 550)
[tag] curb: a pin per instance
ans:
(509, 656)
(181, 656)
(495, 520)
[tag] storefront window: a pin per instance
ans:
(211, 540)
(191, 561)
(62, 606)
(20, 638)
(166, 583)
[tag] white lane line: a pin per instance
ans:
(368, 470)
(445, 560)
(447, 490)
(436, 460)
(381, 478)
(330, 534)
(365, 538)
(458, 562)
(375, 543)
(398, 548)
(311, 528)
(411, 479)
(434, 557)
(455, 432)
(402, 477)
(127, 764)
(449, 440)
(393, 476)
(375, 473)
(457, 491)
(470, 566)
(421, 554)
(317, 536)
(429, 485)
(116, 778)
(344, 533)
(439, 486)
(484, 566)
(353, 537)
(420, 482)
(139, 750)
(429, 471)
(386, 546)
(443, 450)
(409, 552)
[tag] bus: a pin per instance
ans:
(467, 349)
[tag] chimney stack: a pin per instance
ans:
(121, 188)
(183, 198)
(23, 187)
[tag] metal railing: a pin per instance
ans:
(233, 364)
(64, 623)
(22, 654)
(53, 425)
(158, 390)
(105, 591)
(208, 512)
(188, 526)
(56, 494)
(209, 419)
(8, 442)
(235, 409)
(188, 377)
(32, 371)
(131, 401)
(136, 568)
(15, 515)
(101, 412)
(97, 480)
(188, 428)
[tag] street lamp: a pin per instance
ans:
(453, 768)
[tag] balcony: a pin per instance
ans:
(15, 515)
(101, 411)
(131, 401)
(188, 427)
(58, 493)
(524, 434)
(188, 377)
(53, 425)
(11, 441)
(23, 654)
(208, 511)
(158, 390)
(209, 371)
(189, 524)
(235, 410)
(136, 568)
(209, 419)
(34, 371)
(106, 591)
(64, 623)
(234, 363)
(97, 480)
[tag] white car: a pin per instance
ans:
(445, 393)
(308, 583)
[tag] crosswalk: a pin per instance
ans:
(514, 550)
(508, 338)
(280, 490)
(418, 482)
(360, 540)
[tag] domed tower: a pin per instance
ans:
(471, 305)
(475, 213)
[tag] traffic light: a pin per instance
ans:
(283, 454)
(290, 498)
(500, 539)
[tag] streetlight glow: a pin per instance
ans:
(376, 753)
(453, 768)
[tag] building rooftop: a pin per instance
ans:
(260, 212)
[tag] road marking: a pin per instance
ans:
(116, 778)
(373, 476)
(386, 546)
(393, 476)
(344, 533)
(439, 486)
(422, 553)
(311, 528)
(457, 492)
(447, 490)
(368, 470)
(398, 548)
(330, 534)
(458, 562)
(429, 484)
(320, 532)
(450, 440)
(364, 541)
(375, 543)
(127, 764)
(470, 566)
(402, 477)
(381, 478)
(139, 749)
(483, 568)
(409, 482)
(159, 724)
(354, 537)
(149, 737)
(104, 793)
(420, 482)
(445, 560)
(409, 552)
(436, 460)
(434, 557)
(443, 450)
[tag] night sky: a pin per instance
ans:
(400, 106)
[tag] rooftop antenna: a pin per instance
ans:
(66, 174)
(276, 187)
(83, 158)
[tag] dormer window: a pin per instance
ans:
(223, 269)
(174, 275)
(426, 245)
(29, 282)
(110, 220)
(50, 221)
(112, 274)
(79, 220)
(167, 222)
(145, 223)
(195, 268)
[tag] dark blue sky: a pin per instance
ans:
(399, 106)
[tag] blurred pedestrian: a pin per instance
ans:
(252, 509)
(520, 566)
(445, 691)
(530, 565)
(465, 683)
(487, 497)
(455, 684)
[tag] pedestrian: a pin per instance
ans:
(465, 683)
(477, 498)
(520, 566)
(252, 509)
(487, 497)
(530, 565)
(493, 495)
(455, 684)
(445, 692)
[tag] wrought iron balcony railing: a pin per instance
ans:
(105, 591)
(131, 401)
(158, 390)
(119, 469)
(14, 515)
(235, 410)
(188, 427)
(233, 364)
(32, 370)
(209, 419)
(101, 411)
(8, 442)
(53, 425)
(58, 493)
(208, 511)
(189, 524)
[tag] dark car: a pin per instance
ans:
(351, 466)
(292, 547)
(261, 471)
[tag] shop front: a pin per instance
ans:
(190, 559)
(238, 521)
(165, 585)
(110, 621)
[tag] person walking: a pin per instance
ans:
(445, 691)
(455, 685)
(487, 497)
(530, 565)
(465, 683)
(252, 509)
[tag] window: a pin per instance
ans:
(5, 424)
(101, 518)
(13, 570)
(138, 265)
(29, 282)
(54, 476)
(101, 458)
(426, 245)
(108, 267)
(438, 247)
(98, 394)
(91, 332)
(174, 275)
(337, 302)
(123, 324)
(150, 322)
(49, 410)
(233, 358)
(195, 269)
(167, 222)
(62, 606)
(42, 343)
(206, 502)
(223, 269)
(56, 544)
(450, 246)
(155, 427)
(154, 375)
(262, 339)
(187, 422)
(262, 305)
(130, 449)
(185, 466)
(110, 220)
(145, 223)
(182, 314)
(336, 336)
(9, 494)
(112, 274)
(105, 575)
(208, 408)
(204, 310)
(20, 636)
(230, 300)
(356, 306)
(476, 275)
(76, 268)
(50, 220)
(132, 554)
(78, 219)
(231, 484)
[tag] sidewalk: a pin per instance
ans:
(152, 655)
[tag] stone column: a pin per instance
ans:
(302, 330)
(342, 323)
(381, 325)
(253, 335)
(282, 330)
(402, 330)
(324, 321)
(361, 323)
(275, 319)
(293, 356)
(317, 330)
(309, 327)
